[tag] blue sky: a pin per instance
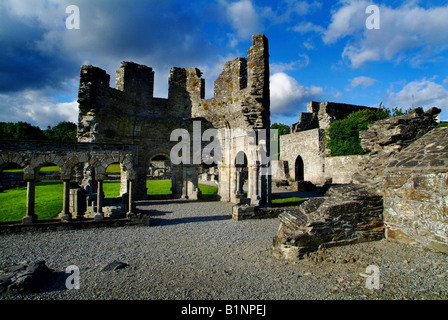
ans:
(319, 50)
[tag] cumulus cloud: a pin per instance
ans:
(244, 18)
(39, 52)
(288, 97)
(420, 93)
(38, 108)
(362, 81)
(303, 61)
(409, 32)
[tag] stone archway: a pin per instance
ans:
(299, 169)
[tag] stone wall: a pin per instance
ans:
(341, 169)
(309, 145)
(416, 192)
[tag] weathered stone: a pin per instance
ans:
(25, 278)
(114, 266)
(416, 209)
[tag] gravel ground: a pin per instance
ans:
(196, 251)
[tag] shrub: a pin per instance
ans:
(343, 135)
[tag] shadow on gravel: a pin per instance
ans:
(167, 222)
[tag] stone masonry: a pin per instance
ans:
(399, 191)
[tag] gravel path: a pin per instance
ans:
(196, 251)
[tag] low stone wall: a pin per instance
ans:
(341, 169)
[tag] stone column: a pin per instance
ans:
(224, 182)
(239, 182)
(30, 217)
(253, 184)
(65, 214)
(131, 205)
(99, 215)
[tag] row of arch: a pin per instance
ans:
(68, 161)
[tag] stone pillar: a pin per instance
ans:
(239, 182)
(190, 188)
(253, 184)
(65, 214)
(224, 182)
(30, 217)
(131, 205)
(99, 215)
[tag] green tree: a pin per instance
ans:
(63, 132)
(20, 131)
(343, 135)
(282, 128)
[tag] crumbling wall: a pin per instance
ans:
(307, 139)
(416, 192)
(321, 115)
(130, 114)
(412, 180)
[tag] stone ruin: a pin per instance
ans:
(399, 191)
(129, 126)
(303, 152)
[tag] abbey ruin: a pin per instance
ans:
(398, 190)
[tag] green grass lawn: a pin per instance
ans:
(43, 169)
(48, 202)
(279, 201)
(155, 187)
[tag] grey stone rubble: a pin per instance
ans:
(195, 251)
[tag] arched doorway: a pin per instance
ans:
(158, 176)
(299, 169)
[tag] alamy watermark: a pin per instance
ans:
(72, 281)
(260, 146)
(73, 21)
(373, 21)
(372, 275)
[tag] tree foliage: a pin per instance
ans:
(282, 128)
(20, 131)
(64, 132)
(343, 135)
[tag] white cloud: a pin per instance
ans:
(362, 81)
(244, 18)
(288, 96)
(303, 61)
(347, 20)
(306, 27)
(420, 93)
(35, 107)
(408, 32)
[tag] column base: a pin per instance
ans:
(65, 217)
(130, 215)
(98, 216)
(29, 219)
